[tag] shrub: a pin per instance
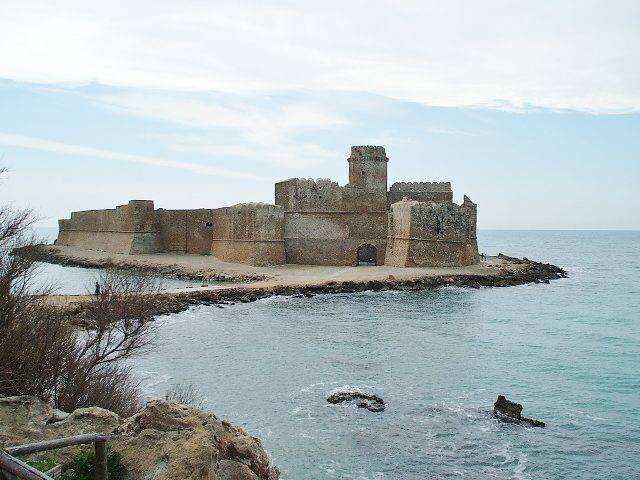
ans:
(185, 393)
(83, 466)
(42, 354)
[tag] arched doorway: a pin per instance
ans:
(367, 254)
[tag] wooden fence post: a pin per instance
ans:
(101, 460)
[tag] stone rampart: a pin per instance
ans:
(129, 228)
(186, 231)
(420, 191)
(249, 233)
(432, 234)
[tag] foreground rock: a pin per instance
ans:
(511, 412)
(371, 402)
(164, 441)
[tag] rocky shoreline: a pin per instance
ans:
(531, 272)
(164, 441)
(247, 284)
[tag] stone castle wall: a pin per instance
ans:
(326, 223)
(249, 233)
(420, 191)
(245, 233)
(126, 229)
(432, 234)
(185, 231)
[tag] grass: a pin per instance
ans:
(43, 465)
(83, 466)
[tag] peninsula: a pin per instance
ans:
(318, 237)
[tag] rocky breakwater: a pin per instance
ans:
(166, 440)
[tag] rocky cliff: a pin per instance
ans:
(164, 441)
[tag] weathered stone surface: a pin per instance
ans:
(371, 402)
(164, 441)
(511, 412)
(432, 234)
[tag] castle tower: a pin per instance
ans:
(368, 168)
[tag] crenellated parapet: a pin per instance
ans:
(406, 187)
(309, 195)
(420, 191)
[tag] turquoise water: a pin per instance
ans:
(78, 280)
(568, 351)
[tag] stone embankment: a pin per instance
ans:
(165, 441)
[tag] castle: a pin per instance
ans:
(313, 222)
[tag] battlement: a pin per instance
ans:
(368, 152)
(309, 182)
(408, 187)
(307, 194)
(421, 191)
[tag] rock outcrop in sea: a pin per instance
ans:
(511, 412)
(371, 402)
(165, 441)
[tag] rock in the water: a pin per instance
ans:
(511, 412)
(371, 402)
(165, 441)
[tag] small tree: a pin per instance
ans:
(43, 354)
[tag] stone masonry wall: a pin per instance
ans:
(186, 231)
(420, 191)
(129, 228)
(324, 223)
(431, 234)
(249, 233)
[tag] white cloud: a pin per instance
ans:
(267, 133)
(32, 143)
(579, 55)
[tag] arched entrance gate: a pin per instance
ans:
(367, 254)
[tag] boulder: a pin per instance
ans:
(511, 412)
(166, 440)
(371, 402)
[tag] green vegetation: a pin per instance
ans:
(83, 467)
(43, 465)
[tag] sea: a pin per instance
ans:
(568, 351)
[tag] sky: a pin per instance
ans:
(532, 109)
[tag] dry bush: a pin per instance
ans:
(42, 354)
(185, 393)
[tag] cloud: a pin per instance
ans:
(266, 130)
(575, 55)
(32, 143)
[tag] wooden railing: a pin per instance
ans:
(12, 468)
